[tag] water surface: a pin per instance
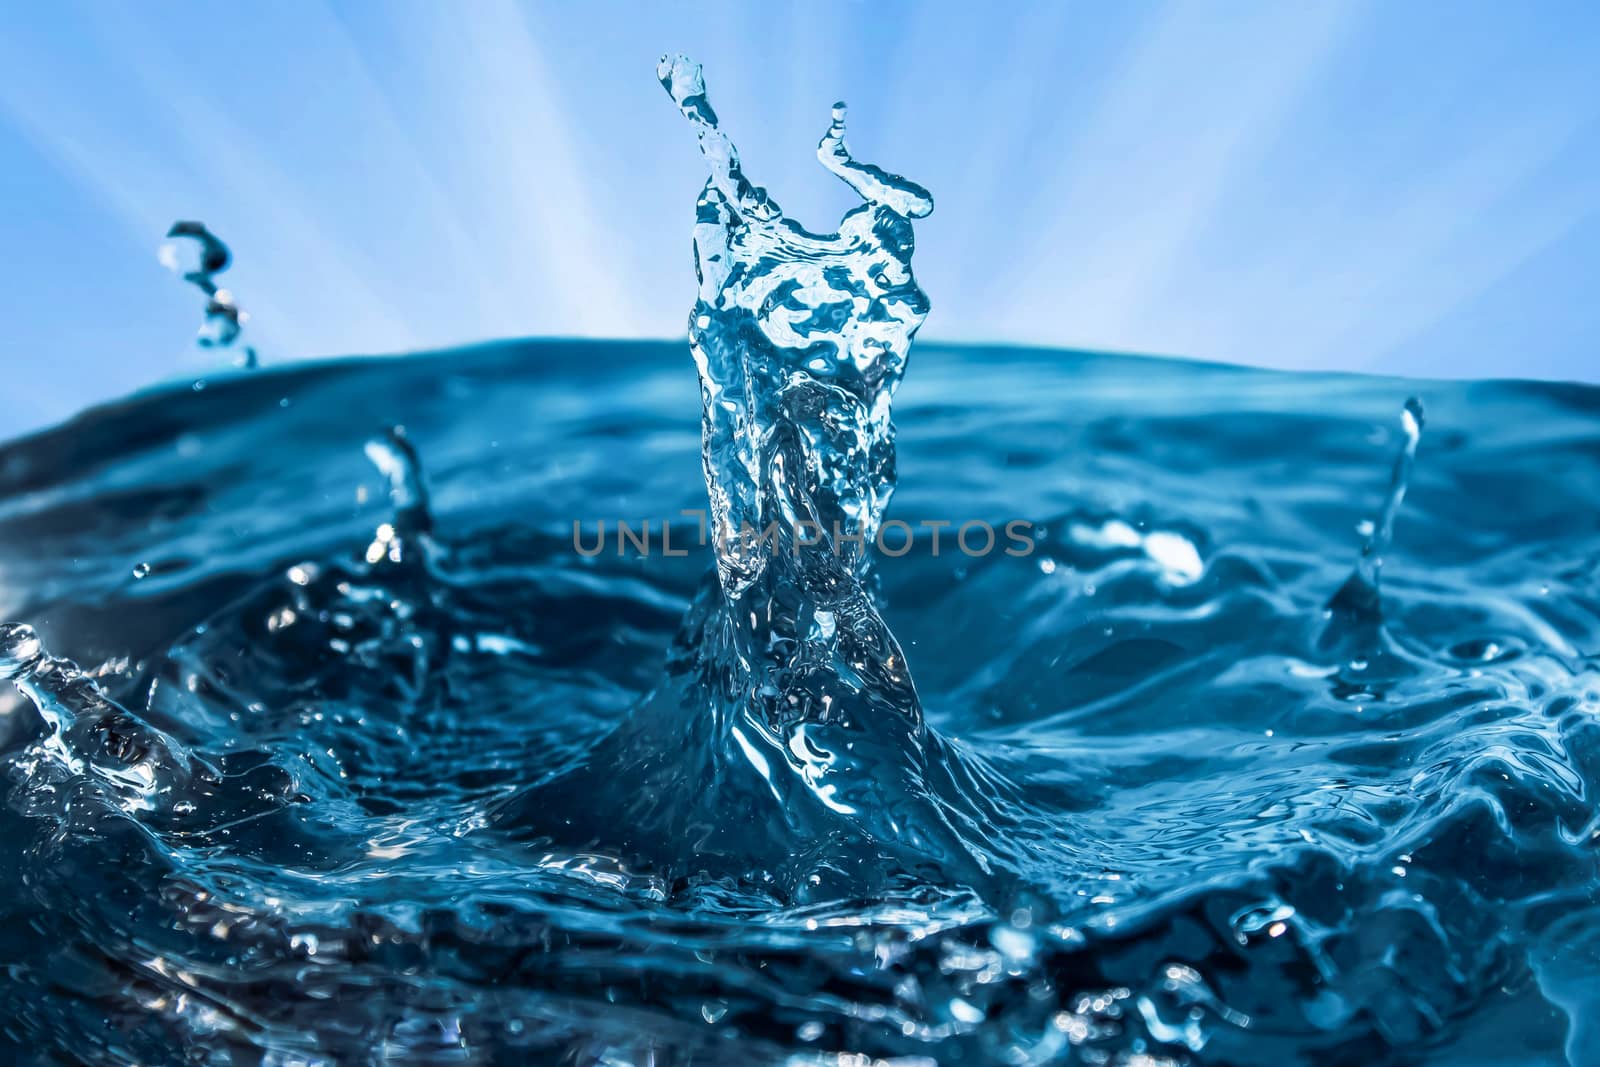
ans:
(1193, 815)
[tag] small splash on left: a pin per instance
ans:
(372, 611)
(94, 748)
(356, 620)
(207, 258)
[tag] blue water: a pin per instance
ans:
(1273, 740)
(1238, 847)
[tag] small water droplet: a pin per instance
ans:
(20, 649)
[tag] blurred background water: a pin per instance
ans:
(1402, 188)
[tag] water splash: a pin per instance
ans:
(396, 459)
(800, 340)
(426, 789)
(793, 694)
(1358, 603)
(88, 736)
(224, 319)
(379, 614)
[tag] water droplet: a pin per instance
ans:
(20, 649)
(210, 257)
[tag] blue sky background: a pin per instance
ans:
(1399, 187)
